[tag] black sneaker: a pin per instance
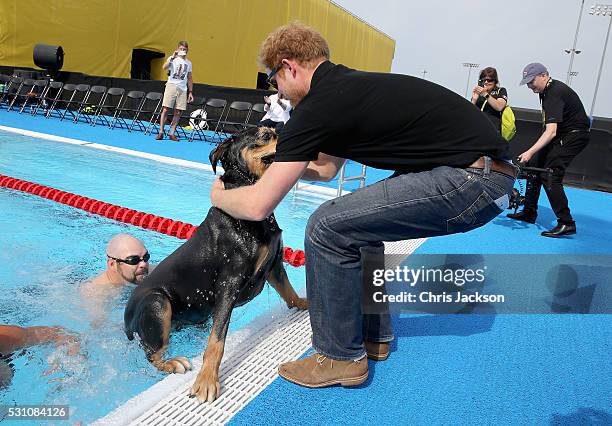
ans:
(560, 230)
(525, 216)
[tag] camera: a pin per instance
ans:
(517, 198)
(481, 82)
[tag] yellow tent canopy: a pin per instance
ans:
(98, 36)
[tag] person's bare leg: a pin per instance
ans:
(162, 122)
(175, 120)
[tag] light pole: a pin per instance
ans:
(424, 72)
(573, 50)
(603, 10)
(469, 66)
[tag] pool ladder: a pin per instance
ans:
(342, 179)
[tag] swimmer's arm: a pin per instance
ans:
(324, 168)
(257, 202)
(13, 337)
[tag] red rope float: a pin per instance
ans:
(149, 221)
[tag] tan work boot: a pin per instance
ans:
(377, 351)
(318, 371)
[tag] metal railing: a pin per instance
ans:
(342, 179)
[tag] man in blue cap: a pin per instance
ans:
(566, 133)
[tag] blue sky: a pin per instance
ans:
(439, 35)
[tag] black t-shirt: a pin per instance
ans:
(561, 105)
(491, 113)
(387, 121)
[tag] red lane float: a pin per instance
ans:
(149, 221)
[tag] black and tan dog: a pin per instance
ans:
(224, 264)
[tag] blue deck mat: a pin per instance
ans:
(447, 369)
(479, 369)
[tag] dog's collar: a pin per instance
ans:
(249, 179)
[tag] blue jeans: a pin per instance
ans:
(441, 201)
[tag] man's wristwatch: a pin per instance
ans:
(487, 96)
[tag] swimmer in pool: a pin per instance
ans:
(127, 262)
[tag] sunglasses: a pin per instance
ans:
(271, 81)
(132, 260)
(488, 80)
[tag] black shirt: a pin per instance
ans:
(388, 121)
(561, 105)
(491, 113)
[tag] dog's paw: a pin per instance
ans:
(301, 303)
(206, 388)
(179, 365)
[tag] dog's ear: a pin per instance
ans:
(218, 153)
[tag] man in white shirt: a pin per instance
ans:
(277, 111)
(179, 88)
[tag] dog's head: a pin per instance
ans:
(245, 156)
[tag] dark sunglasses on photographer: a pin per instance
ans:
(131, 260)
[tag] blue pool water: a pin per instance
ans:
(47, 250)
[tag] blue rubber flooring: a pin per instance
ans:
(479, 369)
(448, 369)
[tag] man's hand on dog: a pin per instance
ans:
(216, 190)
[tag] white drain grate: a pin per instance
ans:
(243, 375)
(403, 247)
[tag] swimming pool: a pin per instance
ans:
(47, 249)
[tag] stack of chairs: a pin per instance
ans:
(210, 120)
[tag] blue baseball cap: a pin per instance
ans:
(531, 71)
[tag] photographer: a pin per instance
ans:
(178, 90)
(565, 134)
(277, 112)
(489, 97)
